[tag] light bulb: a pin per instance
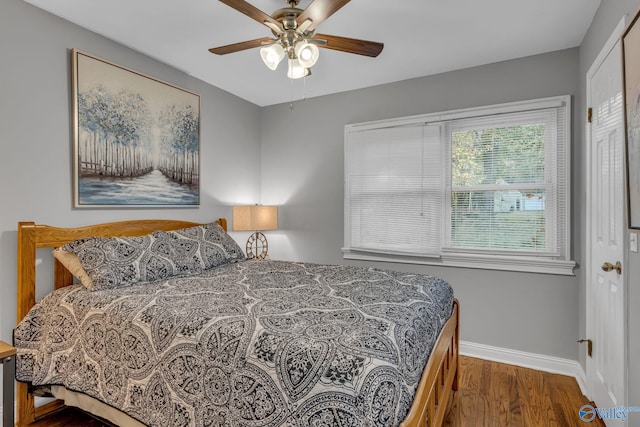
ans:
(296, 70)
(307, 53)
(272, 55)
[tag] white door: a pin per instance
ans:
(606, 370)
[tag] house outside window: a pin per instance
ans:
(485, 187)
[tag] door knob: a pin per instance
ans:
(607, 266)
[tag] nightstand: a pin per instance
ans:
(8, 357)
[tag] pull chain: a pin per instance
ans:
(304, 92)
(291, 93)
(304, 88)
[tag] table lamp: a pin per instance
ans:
(256, 218)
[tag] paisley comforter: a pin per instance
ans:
(253, 343)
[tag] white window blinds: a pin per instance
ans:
(484, 187)
(394, 190)
(507, 192)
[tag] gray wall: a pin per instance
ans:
(607, 17)
(35, 136)
(302, 167)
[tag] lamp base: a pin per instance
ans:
(257, 246)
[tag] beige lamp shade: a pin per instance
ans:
(255, 218)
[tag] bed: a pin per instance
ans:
(242, 342)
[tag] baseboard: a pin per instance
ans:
(541, 362)
(581, 377)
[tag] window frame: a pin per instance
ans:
(504, 260)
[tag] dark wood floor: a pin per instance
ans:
(495, 394)
(490, 394)
(70, 417)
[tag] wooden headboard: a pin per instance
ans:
(32, 236)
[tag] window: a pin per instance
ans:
(484, 188)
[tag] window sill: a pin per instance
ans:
(480, 261)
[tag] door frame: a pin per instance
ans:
(614, 38)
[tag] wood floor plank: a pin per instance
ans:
(70, 417)
(493, 394)
(471, 374)
(539, 405)
(498, 394)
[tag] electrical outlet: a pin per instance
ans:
(633, 242)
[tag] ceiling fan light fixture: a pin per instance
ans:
(295, 35)
(272, 55)
(307, 53)
(297, 70)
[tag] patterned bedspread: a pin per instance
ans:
(254, 343)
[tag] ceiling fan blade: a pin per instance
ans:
(237, 47)
(320, 10)
(252, 12)
(345, 44)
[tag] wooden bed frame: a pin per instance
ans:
(439, 378)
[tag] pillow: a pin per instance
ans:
(215, 246)
(71, 262)
(123, 261)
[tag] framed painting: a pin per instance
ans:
(136, 139)
(631, 67)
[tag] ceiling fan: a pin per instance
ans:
(295, 36)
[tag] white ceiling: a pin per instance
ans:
(421, 37)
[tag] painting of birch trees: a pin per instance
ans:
(136, 139)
